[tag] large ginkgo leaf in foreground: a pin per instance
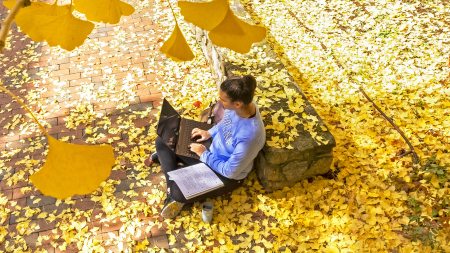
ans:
(9, 4)
(176, 46)
(54, 24)
(70, 168)
(108, 11)
(222, 36)
(206, 15)
(73, 169)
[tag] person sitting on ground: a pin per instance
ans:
(236, 141)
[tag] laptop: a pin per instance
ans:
(176, 131)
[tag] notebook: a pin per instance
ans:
(176, 131)
(195, 180)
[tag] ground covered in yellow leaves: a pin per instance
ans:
(378, 199)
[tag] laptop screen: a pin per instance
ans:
(168, 124)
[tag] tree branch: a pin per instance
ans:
(411, 148)
(24, 106)
(342, 65)
(8, 21)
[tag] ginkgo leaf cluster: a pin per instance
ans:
(58, 25)
(216, 17)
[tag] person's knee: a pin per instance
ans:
(159, 143)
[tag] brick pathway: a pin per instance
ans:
(54, 84)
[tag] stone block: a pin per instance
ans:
(319, 166)
(294, 170)
(267, 171)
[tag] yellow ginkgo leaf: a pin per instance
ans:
(223, 36)
(73, 169)
(9, 3)
(54, 24)
(176, 46)
(27, 18)
(332, 249)
(229, 25)
(206, 15)
(108, 11)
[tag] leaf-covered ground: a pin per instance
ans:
(105, 91)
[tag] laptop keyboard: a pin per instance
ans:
(184, 137)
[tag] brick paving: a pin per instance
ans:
(70, 71)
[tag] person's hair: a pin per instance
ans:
(240, 88)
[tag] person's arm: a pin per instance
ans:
(213, 130)
(231, 168)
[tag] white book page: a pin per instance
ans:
(195, 180)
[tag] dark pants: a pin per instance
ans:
(169, 161)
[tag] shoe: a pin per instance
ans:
(153, 158)
(167, 200)
(171, 209)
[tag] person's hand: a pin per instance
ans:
(202, 135)
(197, 148)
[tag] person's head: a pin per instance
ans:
(236, 92)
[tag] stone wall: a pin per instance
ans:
(277, 167)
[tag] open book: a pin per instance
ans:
(195, 180)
